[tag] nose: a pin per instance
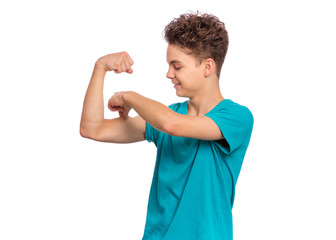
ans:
(170, 74)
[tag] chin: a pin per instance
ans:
(178, 93)
(181, 94)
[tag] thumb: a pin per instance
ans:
(130, 70)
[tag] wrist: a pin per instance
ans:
(100, 66)
(127, 98)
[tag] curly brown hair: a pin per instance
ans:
(201, 35)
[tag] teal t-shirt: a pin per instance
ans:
(194, 180)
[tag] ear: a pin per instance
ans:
(209, 67)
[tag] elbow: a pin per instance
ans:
(83, 132)
(88, 129)
(173, 124)
(87, 133)
(170, 127)
(166, 128)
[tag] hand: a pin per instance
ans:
(117, 62)
(117, 103)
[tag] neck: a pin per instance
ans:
(203, 102)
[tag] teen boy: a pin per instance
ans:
(200, 143)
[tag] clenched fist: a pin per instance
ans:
(117, 103)
(117, 62)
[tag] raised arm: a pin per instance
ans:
(93, 125)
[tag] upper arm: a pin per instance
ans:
(200, 127)
(119, 130)
(233, 125)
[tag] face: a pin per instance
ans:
(185, 71)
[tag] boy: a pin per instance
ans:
(200, 143)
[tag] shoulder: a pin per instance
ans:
(179, 107)
(230, 111)
(229, 107)
(241, 111)
(235, 122)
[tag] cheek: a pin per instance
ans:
(193, 80)
(189, 78)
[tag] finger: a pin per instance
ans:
(124, 66)
(125, 114)
(115, 70)
(109, 104)
(130, 60)
(120, 114)
(127, 57)
(117, 67)
(130, 70)
(121, 67)
(126, 63)
(129, 63)
(113, 108)
(129, 67)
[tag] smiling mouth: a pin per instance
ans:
(176, 85)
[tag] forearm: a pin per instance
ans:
(156, 114)
(166, 120)
(93, 107)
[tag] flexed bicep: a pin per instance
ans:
(119, 130)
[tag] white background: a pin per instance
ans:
(56, 185)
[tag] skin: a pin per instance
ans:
(190, 78)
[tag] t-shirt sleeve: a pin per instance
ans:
(151, 133)
(235, 123)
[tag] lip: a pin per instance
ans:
(176, 85)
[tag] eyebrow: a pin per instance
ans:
(175, 61)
